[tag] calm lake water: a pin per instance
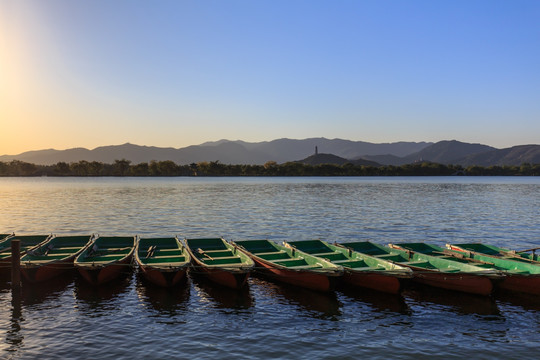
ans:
(128, 319)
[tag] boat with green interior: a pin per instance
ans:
(162, 261)
(292, 266)
(106, 259)
(519, 276)
(220, 261)
(53, 257)
(433, 271)
(527, 255)
(26, 242)
(359, 269)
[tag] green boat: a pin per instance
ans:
(106, 259)
(496, 251)
(220, 261)
(519, 276)
(291, 265)
(5, 236)
(433, 271)
(26, 242)
(163, 261)
(359, 269)
(52, 257)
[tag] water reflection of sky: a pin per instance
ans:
(70, 320)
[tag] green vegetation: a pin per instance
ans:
(215, 168)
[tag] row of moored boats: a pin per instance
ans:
(473, 268)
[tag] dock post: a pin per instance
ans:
(15, 264)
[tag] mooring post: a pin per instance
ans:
(15, 264)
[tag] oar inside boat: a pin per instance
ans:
(201, 251)
(528, 250)
(151, 251)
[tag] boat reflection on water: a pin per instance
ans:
(14, 338)
(32, 294)
(221, 296)
(27, 296)
(166, 301)
(95, 296)
(376, 300)
(461, 303)
(525, 301)
(317, 304)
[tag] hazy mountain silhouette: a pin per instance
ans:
(446, 152)
(465, 154)
(336, 151)
(225, 151)
(318, 159)
(516, 155)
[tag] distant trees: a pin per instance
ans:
(271, 168)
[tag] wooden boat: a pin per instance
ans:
(359, 269)
(5, 236)
(163, 261)
(496, 251)
(518, 276)
(52, 257)
(521, 274)
(220, 261)
(26, 241)
(433, 271)
(292, 266)
(106, 258)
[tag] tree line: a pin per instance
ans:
(271, 168)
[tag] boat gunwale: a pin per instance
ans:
(45, 262)
(92, 265)
(159, 266)
(232, 268)
(401, 270)
(505, 254)
(489, 273)
(330, 270)
(503, 266)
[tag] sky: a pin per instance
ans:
(179, 73)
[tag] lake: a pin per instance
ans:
(66, 318)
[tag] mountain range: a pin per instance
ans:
(337, 151)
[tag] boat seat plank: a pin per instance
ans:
(230, 260)
(169, 251)
(218, 253)
(291, 259)
(268, 253)
(322, 254)
(168, 256)
(278, 255)
(213, 251)
(300, 267)
(291, 263)
(108, 257)
(164, 262)
(382, 256)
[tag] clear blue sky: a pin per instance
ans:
(178, 73)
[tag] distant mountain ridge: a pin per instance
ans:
(225, 151)
(336, 151)
(465, 154)
(319, 159)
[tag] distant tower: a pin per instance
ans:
(316, 151)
